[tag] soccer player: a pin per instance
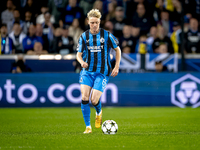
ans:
(93, 54)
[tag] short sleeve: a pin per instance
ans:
(81, 45)
(112, 41)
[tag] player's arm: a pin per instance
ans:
(80, 49)
(114, 43)
(117, 63)
(80, 60)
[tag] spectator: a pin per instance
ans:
(192, 37)
(176, 14)
(86, 5)
(152, 35)
(16, 4)
(159, 67)
(32, 7)
(17, 37)
(147, 4)
(162, 38)
(40, 19)
(30, 39)
(72, 11)
(176, 37)
(111, 11)
(129, 10)
(109, 26)
(48, 26)
(135, 32)
(16, 19)
(131, 7)
(65, 43)
(75, 31)
(28, 21)
(187, 18)
(37, 50)
(166, 23)
(126, 50)
(162, 49)
(119, 21)
(141, 20)
(40, 33)
(20, 66)
(7, 15)
(55, 7)
(158, 9)
(2, 8)
(127, 39)
(98, 4)
(142, 47)
(6, 42)
(58, 32)
(54, 44)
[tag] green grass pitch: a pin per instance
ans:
(148, 128)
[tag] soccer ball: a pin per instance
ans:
(109, 127)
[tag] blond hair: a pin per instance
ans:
(94, 13)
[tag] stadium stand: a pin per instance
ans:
(158, 20)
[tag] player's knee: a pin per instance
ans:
(85, 97)
(94, 101)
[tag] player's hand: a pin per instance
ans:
(84, 64)
(115, 71)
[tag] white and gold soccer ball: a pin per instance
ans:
(109, 127)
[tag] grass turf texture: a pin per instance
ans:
(148, 128)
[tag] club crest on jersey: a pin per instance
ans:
(102, 40)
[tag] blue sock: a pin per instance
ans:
(98, 107)
(85, 107)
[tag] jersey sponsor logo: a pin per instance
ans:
(95, 48)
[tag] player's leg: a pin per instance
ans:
(85, 91)
(96, 94)
(95, 99)
(86, 81)
(99, 85)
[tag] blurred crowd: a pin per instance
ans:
(142, 26)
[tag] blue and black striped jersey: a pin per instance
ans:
(96, 50)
